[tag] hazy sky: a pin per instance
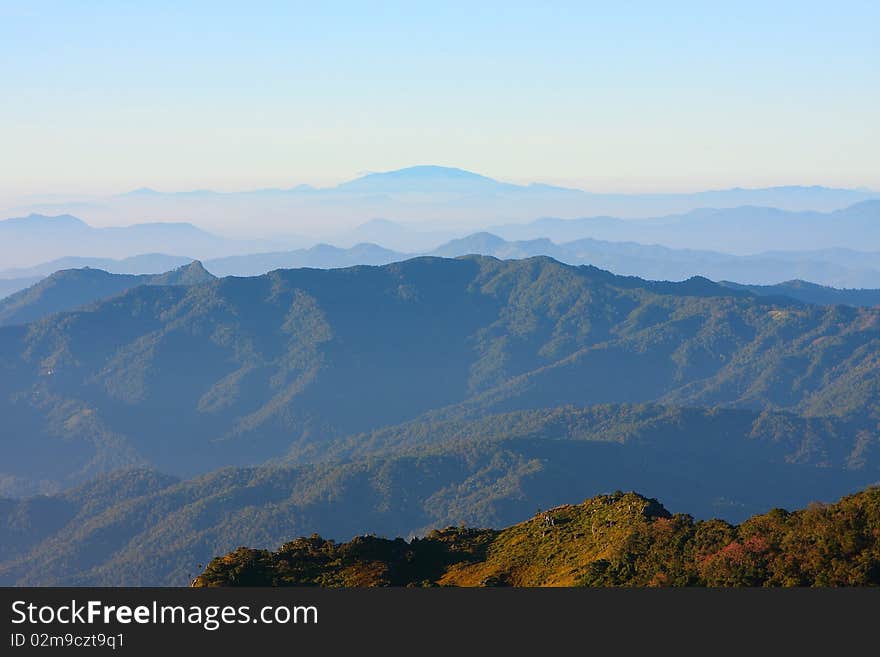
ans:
(107, 96)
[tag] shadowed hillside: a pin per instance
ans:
(237, 371)
(140, 528)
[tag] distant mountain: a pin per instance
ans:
(12, 285)
(73, 288)
(740, 230)
(478, 243)
(460, 199)
(321, 256)
(832, 267)
(145, 263)
(250, 369)
(14, 280)
(612, 540)
(812, 293)
(425, 179)
(28, 240)
(428, 180)
(404, 238)
(843, 257)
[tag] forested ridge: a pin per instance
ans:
(183, 421)
(622, 539)
(241, 370)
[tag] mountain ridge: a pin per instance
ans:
(623, 539)
(142, 528)
(251, 367)
(433, 171)
(37, 237)
(435, 194)
(74, 288)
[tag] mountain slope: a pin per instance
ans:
(612, 540)
(73, 288)
(9, 286)
(237, 371)
(140, 528)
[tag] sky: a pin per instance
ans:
(102, 97)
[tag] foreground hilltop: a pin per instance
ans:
(622, 539)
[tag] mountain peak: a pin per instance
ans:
(143, 191)
(40, 220)
(192, 274)
(623, 539)
(479, 243)
(423, 178)
(379, 222)
(429, 171)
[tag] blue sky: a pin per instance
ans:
(107, 96)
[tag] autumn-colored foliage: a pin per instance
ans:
(622, 539)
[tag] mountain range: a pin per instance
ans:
(811, 246)
(25, 241)
(139, 527)
(739, 230)
(186, 420)
(430, 194)
(70, 289)
(245, 369)
(839, 268)
(146, 263)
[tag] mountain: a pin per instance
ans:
(145, 263)
(240, 370)
(192, 274)
(13, 280)
(318, 401)
(740, 230)
(411, 238)
(829, 267)
(321, 256)
(428, 180)
(455, 198)
(12, 285)
(425, 179)
(622, 539)
(142, 528)
(73, 288)
(812, 293)
(492, 245)
(64, 223)
(832, 267)
(25, 241)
